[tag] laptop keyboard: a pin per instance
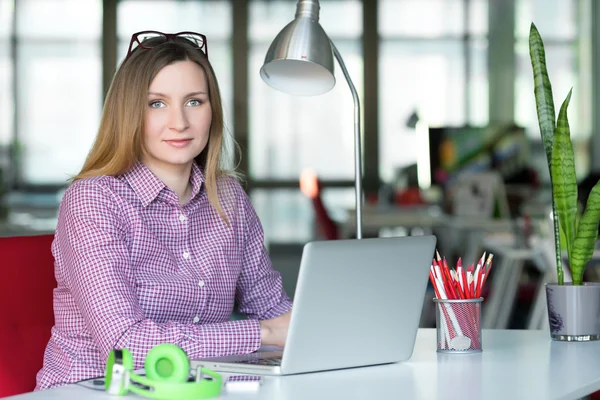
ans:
(271, 361)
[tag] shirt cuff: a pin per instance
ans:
(281, 308)
(224, 339)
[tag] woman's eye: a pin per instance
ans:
(194, 102)
(157, 104)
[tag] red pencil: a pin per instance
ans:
(469, 282)
(445, 273)
(434, 283)
(487, 269)
(447, 278)
(457, 279)
(464, 277)
(479, 283)
(459, 288)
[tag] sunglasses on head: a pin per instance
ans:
(149, 39)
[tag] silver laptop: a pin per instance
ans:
(357, 303)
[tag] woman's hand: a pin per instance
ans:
(273, 332)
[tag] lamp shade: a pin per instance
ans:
(300, 59)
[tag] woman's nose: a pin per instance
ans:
(177, 119)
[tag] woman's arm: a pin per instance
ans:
(94, 266)
(260, 293)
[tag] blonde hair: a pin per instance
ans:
(118, 144)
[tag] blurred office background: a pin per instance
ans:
(450, 63)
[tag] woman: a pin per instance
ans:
(155, 242)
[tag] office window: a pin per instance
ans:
(477, 83)
(557, 22)
(555, 19)
(287, 215)
(58, 85)
(6, 17)
(211, 18)
(433, 62)
(284, 214)
(74, 20)
(420, 19)
(291, 133)
(6, 94)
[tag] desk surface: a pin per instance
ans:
(513, 365)
(374, 219)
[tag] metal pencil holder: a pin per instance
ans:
(458, 325)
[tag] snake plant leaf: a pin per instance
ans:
(546, 120)
(542, 89)
(587, 234)
(564, 181)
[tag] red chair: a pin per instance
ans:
(310, 185)
(26, 312)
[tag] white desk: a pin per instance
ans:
(375, 218)
(513, 365)
(452, 232)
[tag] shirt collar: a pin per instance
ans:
(197, 179)
(147, 186)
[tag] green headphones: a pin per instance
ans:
(167, 370)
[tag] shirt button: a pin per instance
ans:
(201, 283)
(186, 255)
(182, 217)
(196, 319)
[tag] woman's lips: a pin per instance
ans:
(180, 143)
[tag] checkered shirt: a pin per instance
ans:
(136, 269)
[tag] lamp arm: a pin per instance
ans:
(357, 143)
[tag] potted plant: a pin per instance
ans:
(573, 307)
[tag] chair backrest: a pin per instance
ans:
(310, 185)
(26, 312)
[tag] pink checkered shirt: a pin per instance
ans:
(136, 269)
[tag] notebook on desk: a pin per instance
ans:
(357, 303)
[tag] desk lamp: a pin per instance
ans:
(300, 62)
